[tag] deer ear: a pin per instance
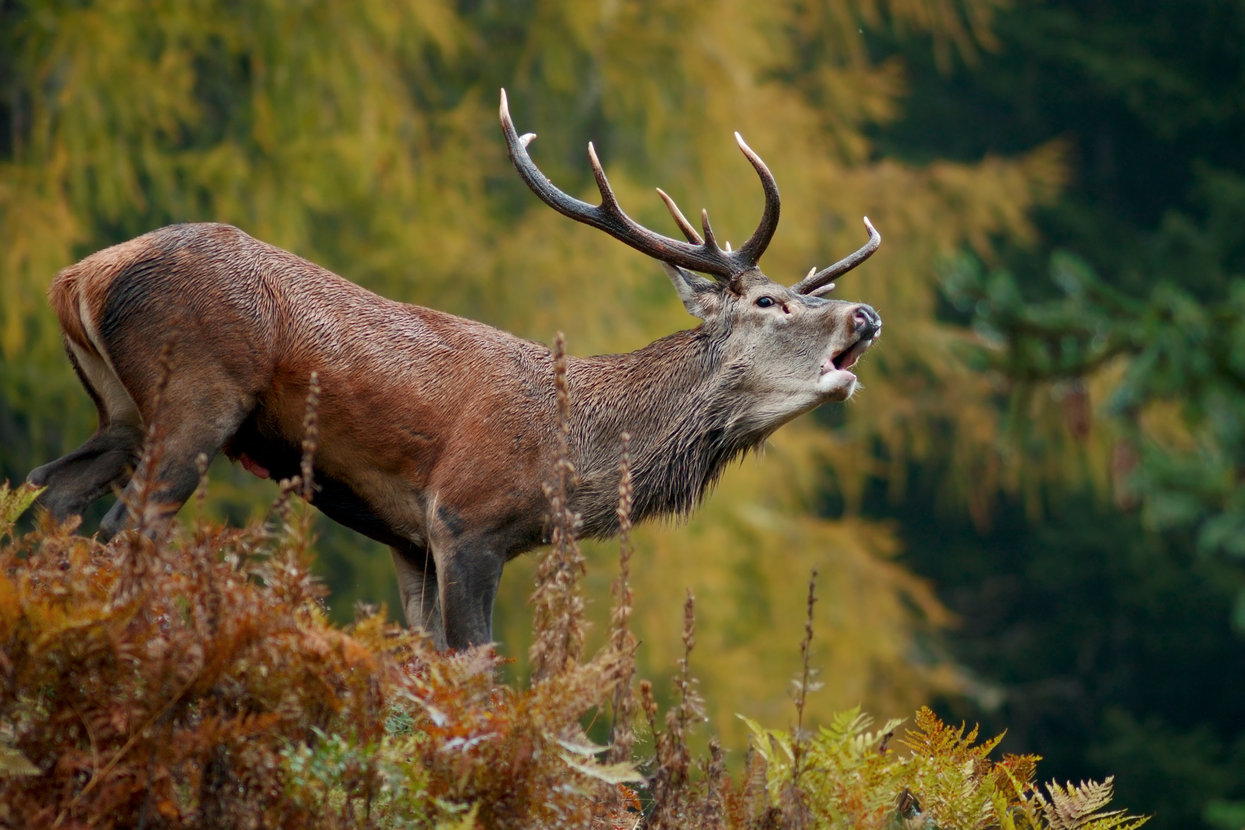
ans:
(701, 297)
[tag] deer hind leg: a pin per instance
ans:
(417, 586)
(193, 423)
(203, 403)
(107, 458)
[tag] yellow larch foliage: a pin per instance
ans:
(364, 137)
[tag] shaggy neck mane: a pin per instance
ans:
(676, 401)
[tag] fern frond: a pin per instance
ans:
(933, 738)
(14, 502)
(1070, 803)
(1073, 807)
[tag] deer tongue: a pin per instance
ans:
(848, 357)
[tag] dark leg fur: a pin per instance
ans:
(468, 580)
(75, 480)
(173, 481)
(417, 585)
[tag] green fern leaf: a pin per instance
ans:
(14, 502)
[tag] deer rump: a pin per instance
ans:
(436, 433)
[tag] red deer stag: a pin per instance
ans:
(435, 432)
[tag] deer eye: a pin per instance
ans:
(765, 302)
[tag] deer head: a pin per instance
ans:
(764, 353)
(793, 346)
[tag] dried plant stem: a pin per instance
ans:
(620, 633)
(558, 606)
(298, 530)
(144, 504)
(306, 468)
(200, 496)
(795, 809)
(622, 641)
(690, 706)
(712, 812)
(140, 497)
(807, 672)
(672, 777)
(311, 435)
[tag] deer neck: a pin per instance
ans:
(674, 399)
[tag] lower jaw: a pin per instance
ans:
(838, 384)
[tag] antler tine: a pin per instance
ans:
(686, 226)
(760, 239)
(679, 218)
(708, 229)
(705, 257)
(537, 181)
(608, 200)
(821, 281)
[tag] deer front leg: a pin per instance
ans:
(468, 564)
(468, 577)
(417, 586)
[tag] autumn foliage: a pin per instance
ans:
(192, 680)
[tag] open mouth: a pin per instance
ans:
(847, 358)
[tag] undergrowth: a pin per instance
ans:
(188, 677)
(194, 681)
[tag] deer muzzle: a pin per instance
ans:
(867, 327)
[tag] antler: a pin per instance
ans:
(703, 256)
(819, 282)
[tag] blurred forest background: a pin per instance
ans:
(1031, 516)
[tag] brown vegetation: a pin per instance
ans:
(194, 681)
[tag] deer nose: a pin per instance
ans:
(867, 321)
